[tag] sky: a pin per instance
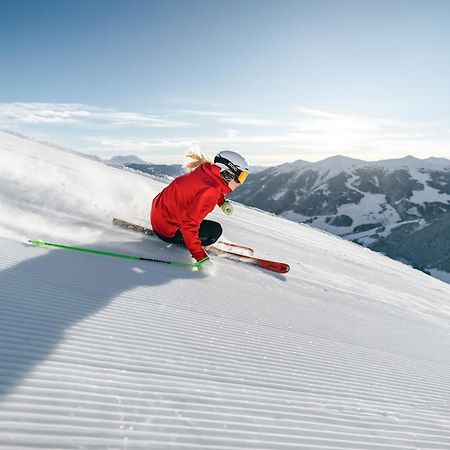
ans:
(276, 80)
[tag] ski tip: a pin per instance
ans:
(275, 266)
(284, 268)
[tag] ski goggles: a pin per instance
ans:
(240, 176)
(232, 172)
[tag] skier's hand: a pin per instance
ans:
(206, 266)
(227, 208)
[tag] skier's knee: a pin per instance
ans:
(214, 232)
(217, 232)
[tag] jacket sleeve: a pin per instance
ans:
(221, 200)
(202, 205)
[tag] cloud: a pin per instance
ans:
(250, 121)
(366, 137)
(36, 113)
(109, 144)
(233, 118)
(231, 133)
(202, 113)
(310, 135)
(313, 120)
(78, 114)
(276, 136)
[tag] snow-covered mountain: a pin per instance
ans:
(400, 207)
(165, 171)
(127, 159)
(347, 351)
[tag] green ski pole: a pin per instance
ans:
(39, 243)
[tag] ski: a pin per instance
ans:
(39, 243)
(273, 266)
(133, 227)
(149, 232)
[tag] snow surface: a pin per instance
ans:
(427, 194)
(350, 350)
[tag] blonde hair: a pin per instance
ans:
(195, 159)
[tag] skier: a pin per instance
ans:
(179, 210)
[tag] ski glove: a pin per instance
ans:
(227, 208)
(205, 265)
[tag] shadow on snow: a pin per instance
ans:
(42, 297)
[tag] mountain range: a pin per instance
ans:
(400, 207)
(167, 171)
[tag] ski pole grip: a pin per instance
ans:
(38, 243)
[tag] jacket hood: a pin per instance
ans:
(214, 172)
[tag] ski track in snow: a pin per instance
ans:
(347, 351)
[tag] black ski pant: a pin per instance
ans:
(208, 233)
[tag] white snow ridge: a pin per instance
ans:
(349, 350)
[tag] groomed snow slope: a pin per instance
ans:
(350, 350)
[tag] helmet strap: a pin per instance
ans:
(227, 163)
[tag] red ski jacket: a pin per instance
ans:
(186, 202)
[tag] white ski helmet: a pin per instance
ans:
(232, 163)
